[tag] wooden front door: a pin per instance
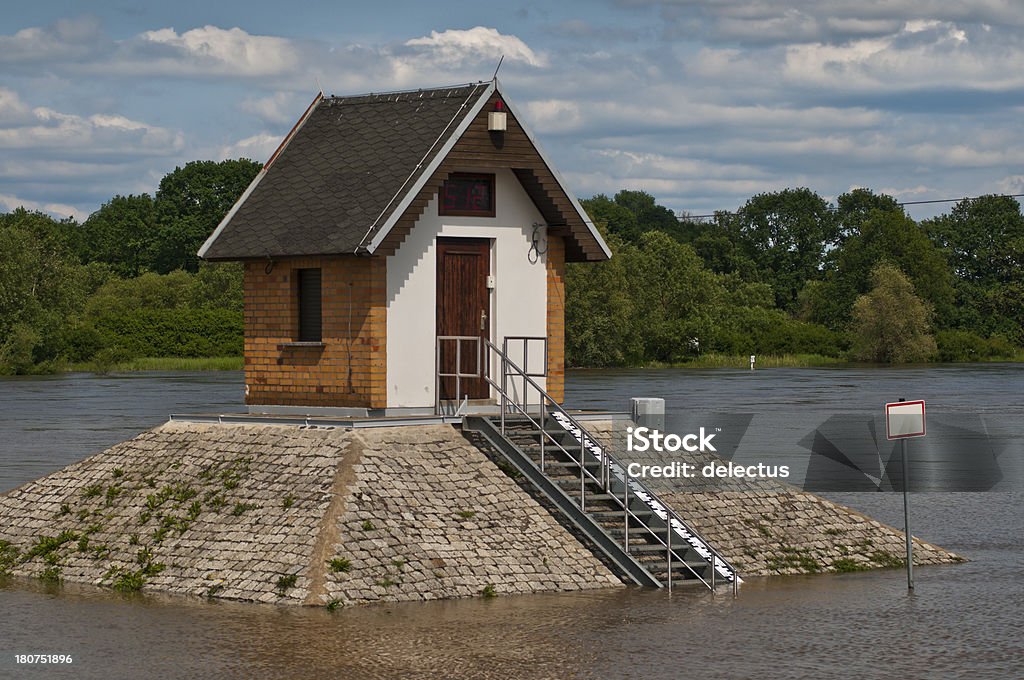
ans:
(463, 309)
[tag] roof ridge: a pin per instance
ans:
(390, 93)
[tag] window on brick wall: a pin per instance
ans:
(310, 307)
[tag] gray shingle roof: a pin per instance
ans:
(352, 166)
(342, 173)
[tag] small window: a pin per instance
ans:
(310, 315)
(467, 195)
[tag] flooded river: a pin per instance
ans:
(963, 621)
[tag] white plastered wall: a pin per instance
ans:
(518, 301)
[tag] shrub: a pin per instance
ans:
(960, 345)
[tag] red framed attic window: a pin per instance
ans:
(467, 194)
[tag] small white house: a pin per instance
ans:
(385, 226)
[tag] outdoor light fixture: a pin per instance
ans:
(497, 119)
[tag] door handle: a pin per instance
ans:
(483, 320)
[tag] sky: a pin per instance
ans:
(702, 104)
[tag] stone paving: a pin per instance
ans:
(323, 516)
(284, 514)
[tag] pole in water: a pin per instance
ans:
(906, 514)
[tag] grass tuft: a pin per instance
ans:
(340, 564)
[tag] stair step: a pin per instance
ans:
(548, 463)
(566, 480)
(676, 566)
(634, 530)
(618, 513)
(650, 548)
(592, 497)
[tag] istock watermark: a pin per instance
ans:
(644, 439)
(705, 451)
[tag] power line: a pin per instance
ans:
(901, 204)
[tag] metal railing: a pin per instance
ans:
(610, 470)
(439, 375)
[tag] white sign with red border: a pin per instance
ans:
(904, 419)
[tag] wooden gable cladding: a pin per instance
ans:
(480, 149)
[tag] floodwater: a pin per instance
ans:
(962, 621)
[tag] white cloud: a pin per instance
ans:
(1011, 184)
(213, 50)
(928, 55)
(906, 193)
(66, 39)
(13, 110)
(79, 47)
(279, 108)
(10, 202)
(258, 147)
(821, 21)
(555, 115)
(98, 134)
(475, 44)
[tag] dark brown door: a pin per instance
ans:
(463, 309)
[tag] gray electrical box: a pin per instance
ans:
(648, 412)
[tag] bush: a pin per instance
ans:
(16, 350)
(174, 332)
(772, 331)
(82, 342)
(960, 345)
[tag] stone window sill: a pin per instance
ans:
(290, 345)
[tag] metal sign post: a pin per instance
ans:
(903, 420)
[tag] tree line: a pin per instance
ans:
(125, 282)
(788, 273)
(791, 273)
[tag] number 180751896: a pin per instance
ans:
(42, 658)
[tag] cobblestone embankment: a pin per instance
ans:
(289, 515)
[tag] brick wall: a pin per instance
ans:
(350, 368)
(556, 317)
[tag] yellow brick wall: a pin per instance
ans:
(556, 318)
(350, 369)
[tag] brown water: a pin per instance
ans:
(963, 621)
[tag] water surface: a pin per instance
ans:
(963, 621)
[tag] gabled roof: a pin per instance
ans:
(355, 173)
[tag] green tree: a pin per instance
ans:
(653, 217)
(601, 328)
(882, 236)
(190, 203)
(983, 239)
(612, 217)
(62, 237)
(42, 287)
(122, 234)
(890, 323)
(788, 234)
(678, 301)
(854, 208)
(631, 214)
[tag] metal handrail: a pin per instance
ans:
(584, 474)
(605, 459)
(458, 374)
(669, 512)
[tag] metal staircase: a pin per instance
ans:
(628, 523)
